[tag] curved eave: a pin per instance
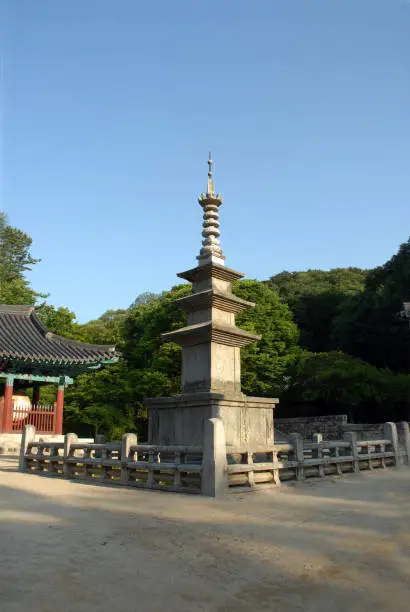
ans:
(32, 367)
(24, 338)
(49, 360)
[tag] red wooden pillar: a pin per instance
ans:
(7, 421)
(59, 407)
(36, 394)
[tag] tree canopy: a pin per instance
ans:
(372, 325)
(315, 298)
(15, 261)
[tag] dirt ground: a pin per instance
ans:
(331, 545)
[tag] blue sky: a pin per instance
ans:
(110, 109)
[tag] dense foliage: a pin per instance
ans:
(333, 341)
(336, 383)
(15, 261)
(316, 298)
(372, 325)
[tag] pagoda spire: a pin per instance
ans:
(211, 251)
(210, 188)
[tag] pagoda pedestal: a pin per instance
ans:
(248, 421)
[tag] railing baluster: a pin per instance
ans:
(369, 453)
(251, 474)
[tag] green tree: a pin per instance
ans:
(142, 346)
(329, 383)
(315, 298)
(265, 362)
(371, 325)
(101, 402)
(107, 329)
(15, 261)
(61, 321)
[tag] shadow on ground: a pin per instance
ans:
(319, 546)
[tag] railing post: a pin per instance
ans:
(28, 435)
(297, 442)
(99, 439)
(127, 441)
(69, 439)
(318, 439)
(214, 481)
(405, 429)
(336, 456)
(351, 437)
(390, 433)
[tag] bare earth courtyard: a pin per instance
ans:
(333, 544)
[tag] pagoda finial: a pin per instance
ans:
(210, 188)
(210, 202)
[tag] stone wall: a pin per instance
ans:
(332, 427)
(365, 431)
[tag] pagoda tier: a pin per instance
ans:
(212, 298)
(209, 271)
(211, 332)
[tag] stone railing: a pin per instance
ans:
(169, 468)
(214, 468)
(299, 459)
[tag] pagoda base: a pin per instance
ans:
(179, 420)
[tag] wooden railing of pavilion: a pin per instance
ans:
(42, 417)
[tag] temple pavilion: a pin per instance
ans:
(31, 353)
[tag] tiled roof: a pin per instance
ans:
(24, 337)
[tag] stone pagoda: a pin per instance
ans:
(211, 364)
